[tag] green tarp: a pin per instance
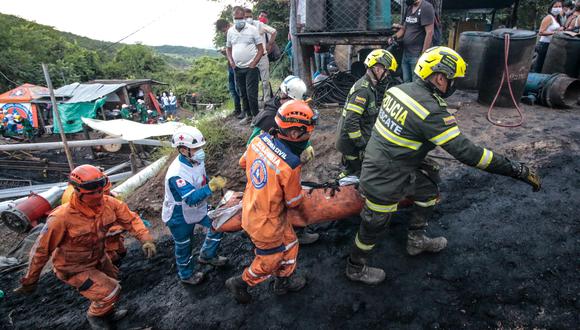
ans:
(71, 114)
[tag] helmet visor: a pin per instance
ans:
(93, 185)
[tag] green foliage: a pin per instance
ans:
(215, 132)
(186, 52)
(135, 61)
(209, 79)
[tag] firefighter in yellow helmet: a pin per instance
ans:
(412, 121)
(360, 111)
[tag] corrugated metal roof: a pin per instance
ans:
(87, 92)
(128, 82)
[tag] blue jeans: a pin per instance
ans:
(183, 235)
(408, 66)
(233, 90)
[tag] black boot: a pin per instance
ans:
(239, 289)
(106, 322)
(363, 273)
(283, 285)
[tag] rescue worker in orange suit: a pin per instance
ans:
(273, 168)
(74, 236)
(115, 237)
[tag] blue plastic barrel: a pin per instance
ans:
(380, 14)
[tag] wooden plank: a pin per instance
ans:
(344, 40)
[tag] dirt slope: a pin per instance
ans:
(512, 260)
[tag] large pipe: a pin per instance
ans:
(27, 214)
(25, 191)
(553, 90)
(140, 178)
(81, 143)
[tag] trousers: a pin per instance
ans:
(182, 233)
(278, 259)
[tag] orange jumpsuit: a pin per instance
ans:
(115, 243)
(273, 174)
(74, 235)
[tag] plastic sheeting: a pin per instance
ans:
(129, 130)
(71, 114)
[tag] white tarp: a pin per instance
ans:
(130, 131)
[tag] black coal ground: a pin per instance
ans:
(511, 265)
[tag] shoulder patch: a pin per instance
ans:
(180, 183)
(440, 100)
(259, 174)
(449, 120)
(360, 100)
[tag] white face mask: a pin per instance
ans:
(556, 11)
(250, 20)
(198, 156)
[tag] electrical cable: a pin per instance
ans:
(504, 77)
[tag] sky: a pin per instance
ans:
(168, 22)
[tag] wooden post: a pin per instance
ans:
(514, 18)
(134, 158)
(57, 117)
(88, 137)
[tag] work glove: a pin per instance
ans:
(217, 183)
(307, 155)
(527, 175)
(149, 249)
(26, 289)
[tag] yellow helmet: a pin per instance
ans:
(381, 56)
(441, 59)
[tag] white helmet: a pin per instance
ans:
(294, 87)
(187, 136)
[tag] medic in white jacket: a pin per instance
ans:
(185, 204)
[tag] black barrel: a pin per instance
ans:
(521, 50)
(563, 55)
(472, 46)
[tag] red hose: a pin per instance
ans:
(505, 75)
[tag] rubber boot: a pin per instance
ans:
(305, 236)
(217, 261)
(363, 273)
(108, 321)
(239, 289)
(283, 285)
(194, 279)
(418, 242)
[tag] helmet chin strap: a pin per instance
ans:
(377, 78)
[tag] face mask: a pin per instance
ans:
(556, 11)
(450, 89)
(250, 20)
(198, 156)
(410, 2)
(240, 24)
(93, 200)
(296, 147)
(263, 20)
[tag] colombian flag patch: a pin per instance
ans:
(449, 120)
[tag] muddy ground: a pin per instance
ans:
(512, 259)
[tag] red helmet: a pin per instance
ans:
(296, 114)
(88, 179)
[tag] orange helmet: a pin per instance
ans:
(88, 179)
(296, 114)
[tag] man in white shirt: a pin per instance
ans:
(268, 36)
(244, 50)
